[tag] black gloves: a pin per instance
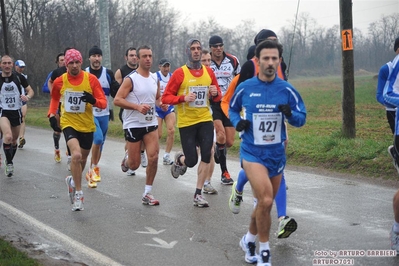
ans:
(87, 97)
(243, 124)
(285, 109)
(54, 124)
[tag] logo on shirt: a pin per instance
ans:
(255, 95)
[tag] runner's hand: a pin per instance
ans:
(87, 97)
(242, 125)
(285, 109)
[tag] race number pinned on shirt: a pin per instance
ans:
(73, 102)
(201, 93)
(149, 116)
(267, 128)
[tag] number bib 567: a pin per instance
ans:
(201, 93)
(73, 102)
(267, 128)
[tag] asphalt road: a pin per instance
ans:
(333, 214)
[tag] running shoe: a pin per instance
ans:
(89, 177)
(149, 199)
(57, 156)
(286, 227)
(22, 142)
(226, 179)
(250, 250)
(144, 161)
(78, 202)
(71, 189)
(9, 171)
(177, 169)
(200, 201)
(235, 199)
(394, 241)
(167, 160)
(95, 174)
(123, 164)
(392, 152)
(264, 258)
(130, 172)
(209, 189)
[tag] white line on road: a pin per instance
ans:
(94, 257)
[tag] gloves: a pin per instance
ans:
(243, 124)
(54, 124)
(87, 97)
(285, 109)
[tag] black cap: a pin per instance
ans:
(215, 40)
(164, 61)
(95, 50)
(263, 35)
(396, 45)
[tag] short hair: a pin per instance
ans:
(6, 55)
(269, 44)
(57, 59)
(205, 51)
(143, 47)
(130, 49)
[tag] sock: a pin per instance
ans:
(264, 246)
(14, 150)
(396, 227)
(281, 199)
(206, 182)
(79, 193)
(166, 154)
(56, 138)
(147, 189)
(241, 181)
(8, 153)
(72, 183)
(197, 191)
(250, 237)
(222, 156)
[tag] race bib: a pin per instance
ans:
(267, 128)
(201, 93)
(73, 102)
(149, 116)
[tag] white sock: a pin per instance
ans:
(166, 154)
(72, 183)
(147, 189)
(396, 227)
(250, 237)
(79, 193)
(206, 182)
(264, 246)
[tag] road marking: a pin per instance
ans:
(82, 251)
(151, 231)
(162, 243)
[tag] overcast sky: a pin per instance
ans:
(274, 14)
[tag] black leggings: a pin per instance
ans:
(200, 135)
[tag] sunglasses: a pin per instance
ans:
(217, 45)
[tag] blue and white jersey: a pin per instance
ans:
(163, 81)
(105, 84)
(391, 87)
(260, 100)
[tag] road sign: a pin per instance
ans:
(347, 43)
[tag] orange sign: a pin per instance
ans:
(347, 43)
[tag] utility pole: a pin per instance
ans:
(4, 22)
(348, 89)
(104, 33)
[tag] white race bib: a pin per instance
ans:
(73, 102)
(201, 93)
(266, 128)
